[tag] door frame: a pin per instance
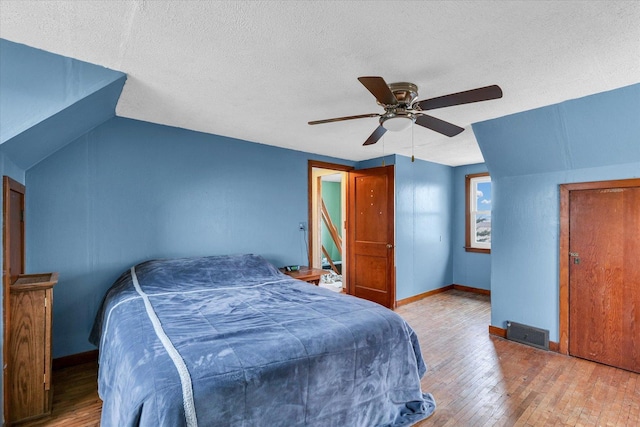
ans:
(8, 185)
(565, 192)
(311, 226)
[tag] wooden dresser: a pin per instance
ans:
(30, 390)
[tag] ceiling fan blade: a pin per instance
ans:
(475, 95)
(438, 125)
(341, 119)
(375, 136)
(379, 88)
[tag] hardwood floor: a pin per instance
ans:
(75, 398)
(481, 380)
(477, 380)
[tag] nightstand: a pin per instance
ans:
(306, 274)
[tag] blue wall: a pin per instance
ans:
(424, 224)
(469, 268)
(528, 155)
(130, 191)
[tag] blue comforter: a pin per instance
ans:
(231, 341)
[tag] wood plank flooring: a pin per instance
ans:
(75, 398)
(481, 380)
(477, 380)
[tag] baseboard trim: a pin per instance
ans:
(498, 332)
(423, 295)
(472, 290)
(502, 333)
(463, 288)
(75, 359)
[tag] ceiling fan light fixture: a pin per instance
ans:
(397, 123)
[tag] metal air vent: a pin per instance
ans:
(529, 335)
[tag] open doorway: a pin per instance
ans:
(327, 219)
(367, 239)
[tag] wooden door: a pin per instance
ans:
(604, 276)
(13, 261)
(370, 234)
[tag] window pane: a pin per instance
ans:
(483, 228)
(483, 194)
(478, 219)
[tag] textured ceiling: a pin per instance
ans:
(260, 70)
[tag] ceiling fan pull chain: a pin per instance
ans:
(413, 159)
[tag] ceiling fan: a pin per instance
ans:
(401, 108)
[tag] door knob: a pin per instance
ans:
(389, 246)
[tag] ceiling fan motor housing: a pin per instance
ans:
(405, 92)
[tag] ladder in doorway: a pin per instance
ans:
(333, 232)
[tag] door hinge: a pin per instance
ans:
(45, 302)
(22, 215)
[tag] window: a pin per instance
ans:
(478, 213)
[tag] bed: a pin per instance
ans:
(231, 341)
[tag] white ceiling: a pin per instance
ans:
(260, 70)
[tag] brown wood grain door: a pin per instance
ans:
(370, 234)
(604, 276)
(13, 262)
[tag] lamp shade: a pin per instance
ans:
(397, 123)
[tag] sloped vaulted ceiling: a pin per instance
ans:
(592, 131)
(49, 100)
